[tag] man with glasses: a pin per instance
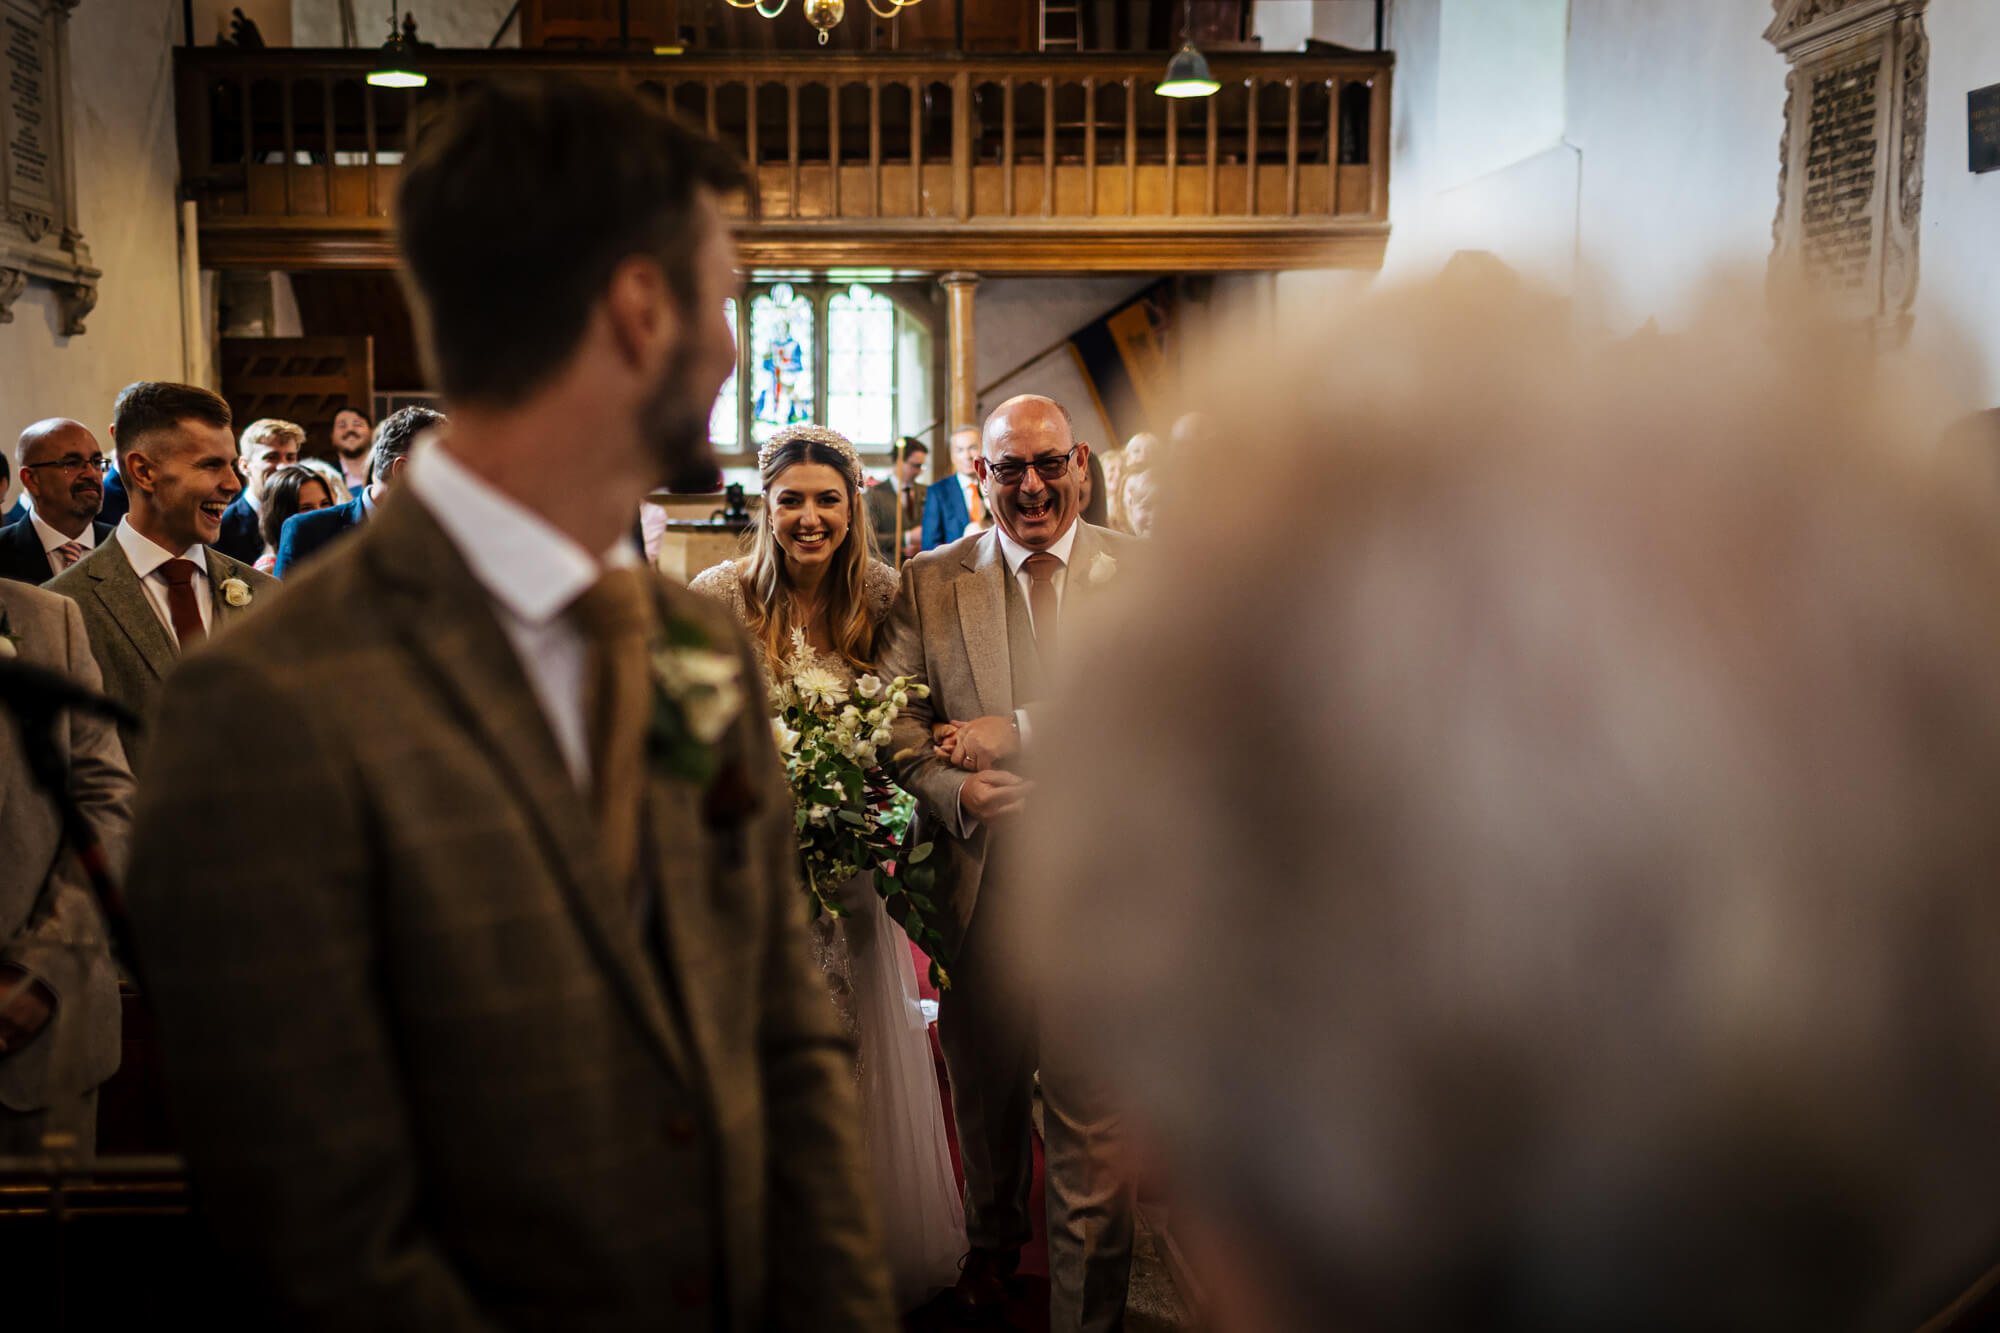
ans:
(982, 621)
(62, 477)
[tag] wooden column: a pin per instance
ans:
(964, 395)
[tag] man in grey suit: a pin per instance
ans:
(58, 986)
(531, 1038)
(981, 621)
(158, 587)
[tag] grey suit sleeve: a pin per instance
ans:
(920, 771)
(823, 1252)
(257, 943)
(64, 946)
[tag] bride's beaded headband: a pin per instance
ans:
(820, 435)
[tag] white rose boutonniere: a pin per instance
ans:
(9, 640)
(1101, 569)
(236, 592)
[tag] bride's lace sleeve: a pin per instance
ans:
(880, 586)
(723, 584)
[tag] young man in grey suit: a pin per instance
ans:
(58, 986)
(158, 586)
(981, 621)
(533, 1038)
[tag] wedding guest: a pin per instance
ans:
(297, 489)
(982, 622)
(157, 586)
(810, 569)
(896, 504)
(955, 505)
(19, 509)
(336, 484)
(1096, 494)
(62, 476)
(1556, 894)
(533, 1040)
(59, 1018)
(1140, 497)
(268, 444)
(304, 535)
(1142, 450)
(353, 445)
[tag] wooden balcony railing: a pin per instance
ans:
(916, 163)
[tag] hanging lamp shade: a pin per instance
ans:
(396, 66)
(1188, 75)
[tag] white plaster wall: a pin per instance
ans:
(1960, 282)
(1284, 25)
(123, 102)
(1014, 318)
(453, 23)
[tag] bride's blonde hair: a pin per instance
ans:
(769, 581)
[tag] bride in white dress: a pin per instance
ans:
(810, 568)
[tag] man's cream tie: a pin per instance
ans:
(615, 615)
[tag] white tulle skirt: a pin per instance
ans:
(916, 1195)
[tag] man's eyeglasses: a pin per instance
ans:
(1009, 471)
(73, 463)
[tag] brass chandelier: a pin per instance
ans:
(825, 15)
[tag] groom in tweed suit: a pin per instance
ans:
(529, 1037)
(981, 621)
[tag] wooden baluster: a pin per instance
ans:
(1334, 89)
(1214, 185)
(326, 89)
(916, 148)
(1173, 153)
(833, 147)
(1292, 147)
(792, 138)
(709, 85)
(1048, 148)
(1132, 147)
(368, 135)
(750, 131)
(1378, 147)
(1089, 147)
(1007, 145)
(961, 145)
(249, 132)
(285, 120)
(874, 147)
(1250, 149)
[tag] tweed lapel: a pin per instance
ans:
(220, 571)
(443, 614)
(982, 623)
(116, 586)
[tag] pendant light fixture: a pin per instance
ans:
(1187, 73)
(397, 67)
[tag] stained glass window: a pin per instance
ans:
(861, 366)
(781, 361)
(724, 421)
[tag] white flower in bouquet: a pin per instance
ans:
(787, 739)
(869, 687)
(818, 813)
(880, 738)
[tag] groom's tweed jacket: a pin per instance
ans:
(433, 1067)
(960, 627)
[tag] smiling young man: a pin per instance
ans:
(353, 441)
(157, 588)
(62, 472)
(268, 444)
(982, 622)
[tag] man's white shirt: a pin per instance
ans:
(148, 557)
(533, 572)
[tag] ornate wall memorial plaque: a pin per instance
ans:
(1851, 162)
(39, 237)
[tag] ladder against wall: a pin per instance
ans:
(1061, 26)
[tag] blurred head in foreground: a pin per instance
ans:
(1558, 886)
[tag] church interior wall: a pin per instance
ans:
(1016, 318)
(122, 108)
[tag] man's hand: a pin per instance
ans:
(994, 795)
(25, 1007)
(982, 743)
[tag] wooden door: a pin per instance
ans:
(305, 380)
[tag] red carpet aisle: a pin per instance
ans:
(1028, 1304)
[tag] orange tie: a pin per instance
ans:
(975, 507)
(182, 608)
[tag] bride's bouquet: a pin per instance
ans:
(850, 817)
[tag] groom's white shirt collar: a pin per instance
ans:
(533, 572)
